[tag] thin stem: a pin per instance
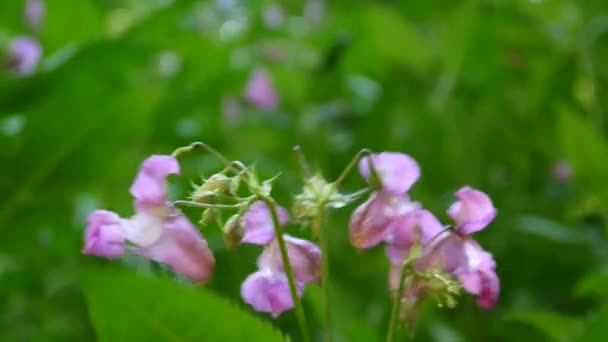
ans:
(324, 272)
(287, 265)
(297, 150)
(208, 206)
(358, 193)
(397, 303)
(211, 150)
(353, 163)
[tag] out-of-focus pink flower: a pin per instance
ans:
(472, 212)
(268, 291)
(418, 225)
(25, 54)
(104, 235)
(273, 16)
(260, 91)
(150, 185)
(259, 229)
(304, 257)
(397, 171)
(158, 231)
(562, 171)
(34, 13)
(464, 258)
(370, 223)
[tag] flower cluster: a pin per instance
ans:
(24, 52)
(390, 216)
(427, 259)
(267, 290)
(158, 231)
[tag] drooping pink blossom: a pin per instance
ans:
(472, 212)
(464, 258)
(268, 291)
(417, 226)
(259, 228)
(24, 55)
(104, 235)
(158, 231)
(370, 223)
(396, 171)
(304, 257)
(260, 91)
(150, 185)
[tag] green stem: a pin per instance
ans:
(353, 163)
(297, 150)
(208, 206)
(397, 303)
(287, 265)
(324, 272)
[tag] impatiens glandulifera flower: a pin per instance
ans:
(417, 226)
(396, 171)
(369, 224)
(472, 212)
(104, 235)
(259, 229)
(260, 91)
(24, 53)
(268, 291)
(465, 259)
(158, 231)
(150, 185)
(304, 257)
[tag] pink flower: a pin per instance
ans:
(268, 291)
(25, 53)
(464, 258)
(304, 257)
(259, 229)
(150, 185)
(260, 91)
(472, 212)
(34, 13)
(104, 235)
(418, 225)
(158, 231)
(397, 171)
(370, 223)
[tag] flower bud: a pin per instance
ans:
(472, 212)
(234, 230)
(216, 184)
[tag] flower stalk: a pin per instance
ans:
(392, 327)
(287, 265)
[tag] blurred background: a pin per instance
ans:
(510, 97)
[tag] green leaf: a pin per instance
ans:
(127, 307)
(555, 326)
(593, 285)
(585, 148)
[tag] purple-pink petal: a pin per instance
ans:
(259, 228)
(34, 13)
(370, 223)
(472, 212)
(25, 53)
(183, 248)
(397, 171)
(304, 257)
(150, 185)
(104, 235)
(260, 91)
(268, 291)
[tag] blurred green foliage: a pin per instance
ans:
(490, 93)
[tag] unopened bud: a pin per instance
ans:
(234, 230)
(208, 216)
(216, 184)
